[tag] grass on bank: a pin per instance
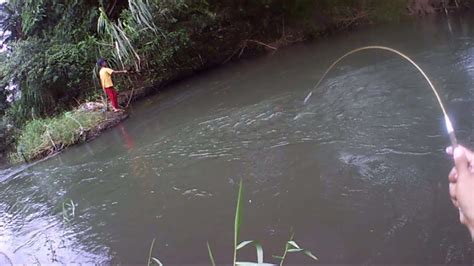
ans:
(40, 136)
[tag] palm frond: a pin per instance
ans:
(141, 13)
(115, 33)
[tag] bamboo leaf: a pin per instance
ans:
(257, 245)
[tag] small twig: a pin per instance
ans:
(75, 120)
(105, 101)
(243, 45)
(77, 101)
(261, 43)
(242, 51)
(130, 97)
(105, 44)
(232, 55)
(50, 138)
(202, 61)
(133, 88)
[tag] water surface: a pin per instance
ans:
(358, 174)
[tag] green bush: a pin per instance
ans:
(50, 75)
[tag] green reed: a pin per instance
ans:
(290, 246)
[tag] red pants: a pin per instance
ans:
(112, 96)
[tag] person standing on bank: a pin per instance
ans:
(105, 75)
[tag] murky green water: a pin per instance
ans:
(359, 173)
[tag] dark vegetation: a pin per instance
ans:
(50, 47)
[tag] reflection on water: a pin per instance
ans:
(358, 172)
(127, 139)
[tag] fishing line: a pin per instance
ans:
(448, 124)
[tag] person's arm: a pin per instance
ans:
(119, 72)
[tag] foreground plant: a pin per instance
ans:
(69, 210)
(290, 247)
(153, 260)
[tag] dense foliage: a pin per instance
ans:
(53, 45)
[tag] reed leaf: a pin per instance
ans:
(151, 259)
(292, 247)
(157, 261)
(69, 210)
(248, 263)
(293, 243)
(258, 247)
(211, 257)
(237, 221)
(295, 249)
(309, 254)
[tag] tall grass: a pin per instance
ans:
(51, 134)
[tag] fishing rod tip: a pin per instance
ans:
(307, 97)
(450, 128)
(449, 125)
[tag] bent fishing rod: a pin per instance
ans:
(448, 124)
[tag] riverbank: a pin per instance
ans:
(243, 30)
(44, 137)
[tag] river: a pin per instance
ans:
(359, 173)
